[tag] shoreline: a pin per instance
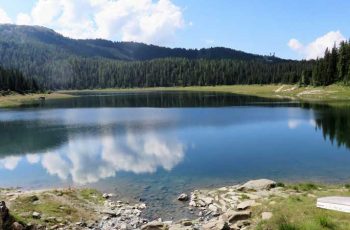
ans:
(333, 94)
(329, 94)
(16, 100)
(257, 204)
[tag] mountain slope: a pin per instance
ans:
(44, 38)
(57, 62)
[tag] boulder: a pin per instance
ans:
(262, 184)
(240, 224)
(234, 216)
(183, 197)
(4, 213)
(245, 204)
(216, 224)
(155, 225)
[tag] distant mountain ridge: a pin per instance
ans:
(44, 38)
(53, 61)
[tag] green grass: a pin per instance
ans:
(304, 187)
(332, 93)
(329, 94)
(71, 205)
(299, 211)
(17, 100)
(92, 195)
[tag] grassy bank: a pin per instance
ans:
(17, 100)
(330, 93)
(292, 207)
(298, 210)
(61, 206)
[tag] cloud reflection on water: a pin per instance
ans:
(87, 159)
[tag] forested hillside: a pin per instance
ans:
(334, 67)
(13, 80)
(57, 62)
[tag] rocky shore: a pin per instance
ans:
(252, 205)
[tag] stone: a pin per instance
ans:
(4, 213)
(261, 184)
(266, 215)
(234, 216)
(183, 197)
(154, 225)
(192, 203)
(213, 208)
(208, 200)
(216, 224)
(36, 215)
(105, 195)
(186, 223)
(240, 224)
(17, 226)
(245, 204)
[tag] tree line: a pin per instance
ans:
(85, 73)
(54, 68)
(13, 80)
(333, 68)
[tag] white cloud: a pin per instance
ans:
(130, 20)
(316, 48)
(4, 18)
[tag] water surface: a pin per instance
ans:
(152, 146)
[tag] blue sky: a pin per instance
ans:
(255, 26)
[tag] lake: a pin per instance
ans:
(152, 146)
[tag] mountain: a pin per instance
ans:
(56, 62)
(47, 39)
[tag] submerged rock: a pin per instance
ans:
(262, 184)
(183, 197)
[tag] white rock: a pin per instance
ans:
(262, 184)
(208, 200)
(213, 208)
(36, 215)
(266, 215)
(245, 204)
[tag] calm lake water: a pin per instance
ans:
(153, 146)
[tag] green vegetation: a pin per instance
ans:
(299, 211)
(13, 80)
(54, 62)
(16, 100)
(54, 206)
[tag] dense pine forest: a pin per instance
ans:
(333, 68)
(13, 80)
(57, 62)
